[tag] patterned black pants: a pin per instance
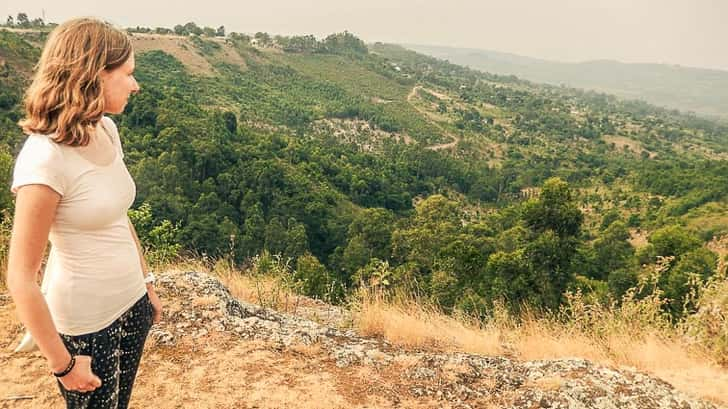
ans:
(115, 353)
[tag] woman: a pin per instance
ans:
(97, 303)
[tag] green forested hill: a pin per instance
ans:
(703, 91)
(378, 163)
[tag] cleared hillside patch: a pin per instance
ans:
(179, 47)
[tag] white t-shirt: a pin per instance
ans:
(93, 273)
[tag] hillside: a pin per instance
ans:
(214, 351)
(702, 91)
(343, 167)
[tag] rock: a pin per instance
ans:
(206, 305)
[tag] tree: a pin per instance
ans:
(555, 221)
(289, 239)
(444, 289)
(263, 38)
(435, 224)
(239, 37)
(621, 280)
(192, 28)
(220, 32)
(341, 43)
(10, 22)
(374, 228)
(253, 232)
(509, 279)
(315, 279)
(555, 209)
(613, 250)
(23, 21)
(550, 258)
(275, 236)
(231, 122)
(673, 241)
(687, 276)
(356, 255)
(610, 217)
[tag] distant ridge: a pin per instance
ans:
(699, 90)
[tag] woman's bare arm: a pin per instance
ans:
(35, 209)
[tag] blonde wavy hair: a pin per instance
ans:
(66, 95)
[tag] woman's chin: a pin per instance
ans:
(115, 111)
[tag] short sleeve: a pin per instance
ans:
(40, 162)
(110, 127)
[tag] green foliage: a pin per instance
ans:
(613, 250)
(620, 281)
(595, 291)
(274, 281)
(554, 210)
(206, 47)
(316, 281)
(344, 43)
(289, 239)
(610, 217)
(509, 279)
(444, 289)
(673, 241)
(160, 240)
(685, 278)
(376, 274)
(435, 223)
(472, 304)
(235, 164)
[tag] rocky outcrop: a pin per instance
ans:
(199, 304)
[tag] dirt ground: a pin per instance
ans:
(215, 371)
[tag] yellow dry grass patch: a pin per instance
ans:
(535, 341)
(179, 47)
(638, 238)
(620, 142)
(263, 290)
(410, 324)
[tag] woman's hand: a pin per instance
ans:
(156, 303)
(81, 378)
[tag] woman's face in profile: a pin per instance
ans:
(118, 84)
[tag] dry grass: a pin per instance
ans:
(413, 324)
(180, 47)
(270, 289)
(632, 335)
(622, 142)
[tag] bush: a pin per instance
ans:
(315, 281)
(708, 327)
(621, 280)
(159, 241)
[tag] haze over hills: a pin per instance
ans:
(698, 90)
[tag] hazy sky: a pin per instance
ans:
(685, 32)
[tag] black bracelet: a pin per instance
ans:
(67, 370)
